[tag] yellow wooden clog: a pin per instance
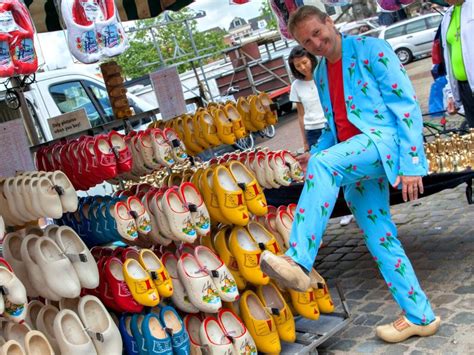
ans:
(243, 107)
(209, 129)
(190, 135)
(230, 197)
(221, 243)
(257, 112)
(233, 114)
(210, 198)
(207, 241)
(247, 254)
(253, 193)
(259, 323)
(270, 115)
(272, 299)
(225, 129)
(305, 303)
(264, 238)
(198, 130)
(157, 271)
(140, 284)
(321, 290)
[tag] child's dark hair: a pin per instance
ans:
(299, 52)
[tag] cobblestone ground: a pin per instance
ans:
(438, 235)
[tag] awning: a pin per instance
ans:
(46, 19)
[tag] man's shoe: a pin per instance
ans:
(285, 271)
(402, 329)
(345, 220)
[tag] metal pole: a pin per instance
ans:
(25, 113)
(157, 46)
(193, 44)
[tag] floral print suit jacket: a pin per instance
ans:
(380, 102)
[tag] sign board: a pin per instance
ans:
(169, 92)
(15, 155)
(69, 123)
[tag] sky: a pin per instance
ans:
(55, 53)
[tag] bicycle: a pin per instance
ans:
(12, 99)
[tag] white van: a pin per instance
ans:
(61, 91)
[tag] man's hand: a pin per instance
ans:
(303, 160)
(411, 187)
(451, 107)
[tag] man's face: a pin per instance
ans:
(318, 38)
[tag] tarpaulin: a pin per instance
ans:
(46, 19)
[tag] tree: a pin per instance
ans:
(172, 41)
(267, 13)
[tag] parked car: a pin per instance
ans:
(411, 38)
(65, 90)
(359, 27)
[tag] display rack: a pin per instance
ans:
(312, 333)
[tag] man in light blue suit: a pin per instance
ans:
(373, 138)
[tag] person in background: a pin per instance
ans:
(305, 95)
(373, 138)
(458, 49)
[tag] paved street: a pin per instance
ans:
(438, 235)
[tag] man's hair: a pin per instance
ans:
(303, 13)
(299, 52)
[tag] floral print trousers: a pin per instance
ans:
(356, 166)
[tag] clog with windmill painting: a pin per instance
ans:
(221, 242)
(199, 286)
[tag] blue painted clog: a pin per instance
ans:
(157, 340)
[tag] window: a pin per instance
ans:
(395, 32)
(434, 21)
(416, 26)
(71, 96)
(100, 94)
